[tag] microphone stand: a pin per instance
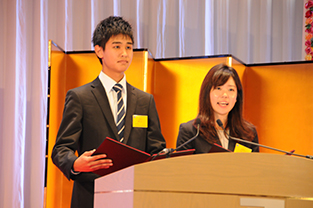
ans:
(198, 121)
(168, 151)
(164, 151)
(219, 122)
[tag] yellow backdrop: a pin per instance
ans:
(278, 100)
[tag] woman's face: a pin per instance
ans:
(223, 98)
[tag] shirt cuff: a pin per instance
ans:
(74, 172)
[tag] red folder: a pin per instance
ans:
(218, 148)
(124, 156)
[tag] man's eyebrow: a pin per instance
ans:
(117, 42)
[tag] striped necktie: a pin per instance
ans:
(120, 118)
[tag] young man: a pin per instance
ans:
(104, 108)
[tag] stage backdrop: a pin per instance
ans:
(278, 99)
(255, 31)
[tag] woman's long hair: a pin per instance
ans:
(238, 127)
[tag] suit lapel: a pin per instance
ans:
(218, 141)
(231, 145)
(130, 111)
(99, 92)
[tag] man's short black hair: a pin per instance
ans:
(109, 27)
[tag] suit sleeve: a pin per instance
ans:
(63, 153)
(155, 139)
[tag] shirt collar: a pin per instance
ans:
(108, 82)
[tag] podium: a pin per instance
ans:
(220, 180)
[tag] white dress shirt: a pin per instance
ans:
(108, 84)
(223, 139)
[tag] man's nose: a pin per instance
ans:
(124, 52)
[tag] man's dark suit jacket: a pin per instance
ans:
(187, 131)
(88, 120)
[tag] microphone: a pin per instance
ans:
(220, 123)
(168, 151)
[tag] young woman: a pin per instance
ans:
(221, 97)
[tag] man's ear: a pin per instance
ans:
(99, 51)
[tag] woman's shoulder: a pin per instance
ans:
(188, 126)
(186, 131)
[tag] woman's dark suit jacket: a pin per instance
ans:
(187, 131)
(88, 120)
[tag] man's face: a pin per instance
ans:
(117, 56)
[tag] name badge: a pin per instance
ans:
(140, 121)
(241, 148)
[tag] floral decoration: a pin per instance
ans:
(309, 30)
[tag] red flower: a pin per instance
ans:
(308, 14)
(308, 50)
(309, 4)
(310, 30)
(307, 43)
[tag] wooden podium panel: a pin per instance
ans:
(217, 179)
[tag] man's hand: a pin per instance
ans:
(88, 163)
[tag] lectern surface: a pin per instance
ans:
(222, 174)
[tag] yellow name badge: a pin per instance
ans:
(140, 121)
(241, 148)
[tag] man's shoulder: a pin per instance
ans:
(86, 86)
